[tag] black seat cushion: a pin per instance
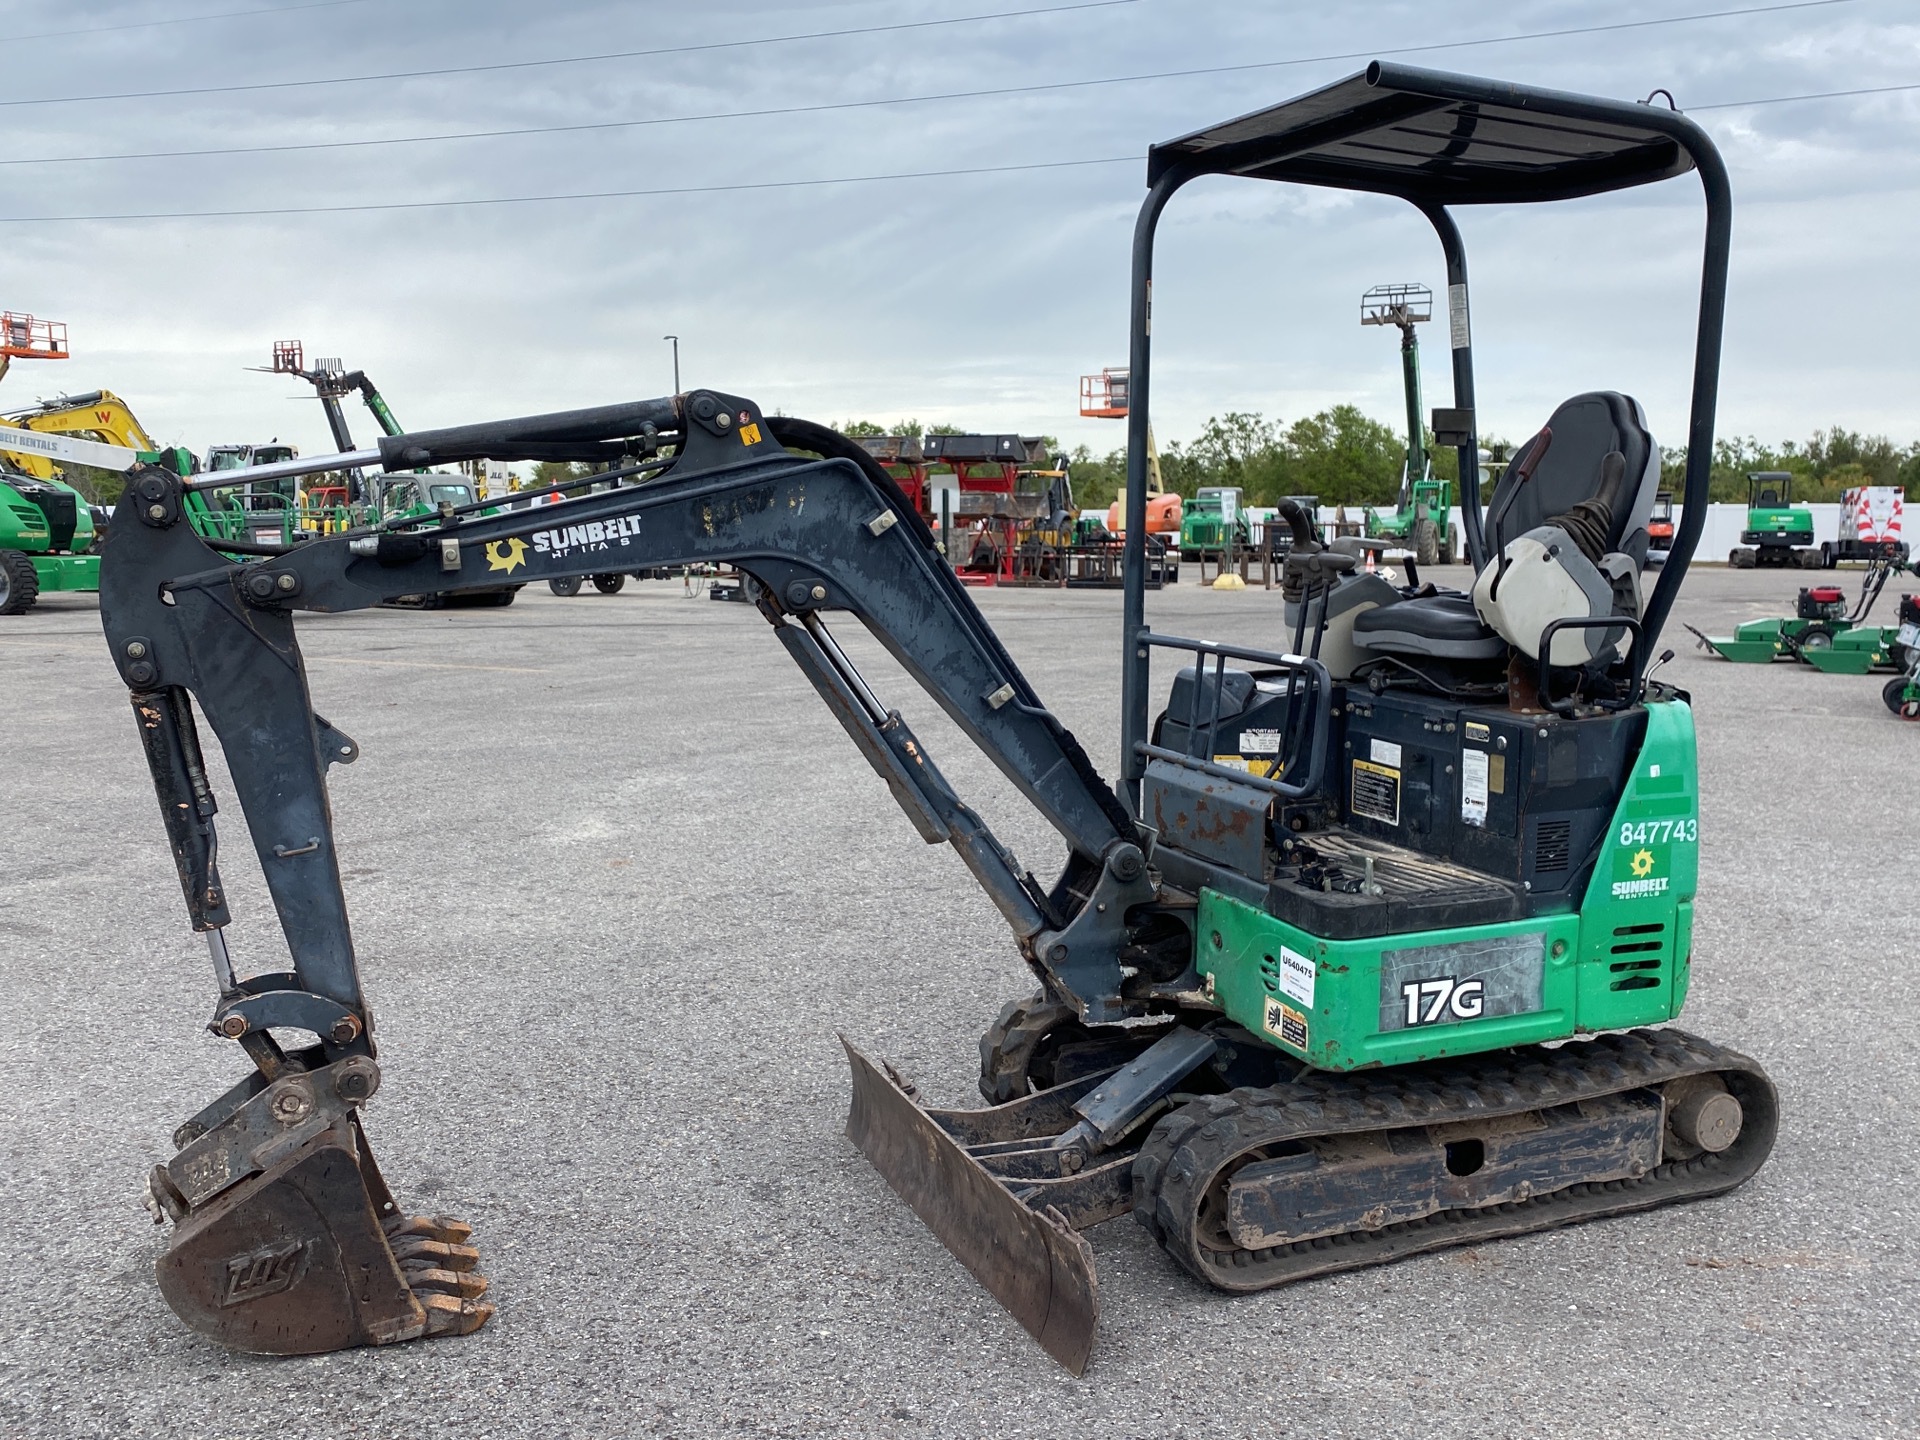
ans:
(1584, 429)
(1442, 625)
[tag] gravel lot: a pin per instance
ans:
(617, 880)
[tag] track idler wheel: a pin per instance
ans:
(1039, 1042)
(287, 1240)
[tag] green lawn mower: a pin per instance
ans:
(1902, 692)
(1823, 632)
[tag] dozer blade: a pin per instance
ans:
(1028, 1256)
(288, 1241)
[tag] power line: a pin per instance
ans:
(590, 59)
(998, 92)
(761, 184)
(182, 20)
(1819, 95)
(583, 195)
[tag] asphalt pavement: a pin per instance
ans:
(618, 879)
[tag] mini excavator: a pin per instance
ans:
(1368, 952)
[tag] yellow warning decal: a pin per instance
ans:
(750, 434)
(1285, 1024)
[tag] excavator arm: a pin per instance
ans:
(818, 526)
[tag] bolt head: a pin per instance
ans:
(287, 583)
(1056, 953)
(291, 1105)
(156, 512)
(722, 421)
(819, 592)
(260, 586)
(797, 593)
(234, 1026)
(344, 1030)
(135, 649)
(141, 672)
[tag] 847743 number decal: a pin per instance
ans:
(1658, 832)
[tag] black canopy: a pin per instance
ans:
(1437, 138)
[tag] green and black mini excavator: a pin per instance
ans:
(1312, 980)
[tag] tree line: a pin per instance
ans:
(1346, 457)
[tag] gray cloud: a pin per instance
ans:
(975, 299)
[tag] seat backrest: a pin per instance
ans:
(1584, 429)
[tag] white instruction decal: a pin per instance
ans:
(1259, 742)
(1473, 786)
(1457, 316)
(1296, 976)
(1385, 752)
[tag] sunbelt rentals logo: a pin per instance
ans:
(1640, 871)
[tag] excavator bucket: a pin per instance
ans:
(990, 1185)
(287, 1241)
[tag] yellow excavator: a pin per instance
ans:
(98, 415)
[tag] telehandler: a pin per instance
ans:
(1312, 976)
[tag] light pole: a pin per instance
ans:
(676, 361)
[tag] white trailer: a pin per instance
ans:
(1870, 519)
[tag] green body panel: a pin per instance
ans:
(1622, 959)
(67, 572)
(24, 527)
(1789, 524)
(1204, 526)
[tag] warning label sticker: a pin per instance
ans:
(1473, 786)
(1286, 1024)
(1259, 742)
(1376, 792)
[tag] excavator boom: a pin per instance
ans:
(819, 527)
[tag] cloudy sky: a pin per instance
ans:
(971, 298)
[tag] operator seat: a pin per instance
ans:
(1567, 458)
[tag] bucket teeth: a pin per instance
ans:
(425, 1280)
(443, 1228)
(432, 1254)
(450, 1315)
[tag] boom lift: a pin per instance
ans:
(417, 496)
(1422, 519)
(1105, 397)
(1313, 1011)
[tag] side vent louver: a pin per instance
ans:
(1553, 845)
(1640, 953)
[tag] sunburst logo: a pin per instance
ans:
(509, 555)
(1642, 864)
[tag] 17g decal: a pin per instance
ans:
(1444, 1000)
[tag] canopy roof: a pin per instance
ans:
(1437, 138)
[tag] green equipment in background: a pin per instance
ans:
(1778, 531)
(1822, 631)
(1422, 518)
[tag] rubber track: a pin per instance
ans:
(1007, 1048)
(1188, 1149)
